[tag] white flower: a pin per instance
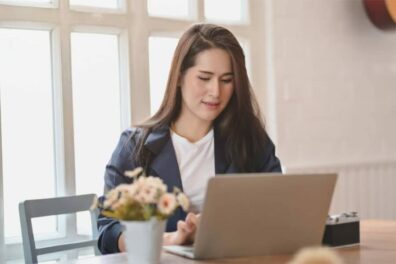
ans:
(140, 182)
(316, 255)
(156, 183)
(183, 201)
(126, 190)
(111, 197)
(149, 189)
(150, 192)
(134, 173)
(123, 201)
(167, 204)
(147, 194)
(122, 191)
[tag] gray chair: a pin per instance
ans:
(54, 206)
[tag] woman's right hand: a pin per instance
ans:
(185, 232)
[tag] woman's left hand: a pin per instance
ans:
(185, 233)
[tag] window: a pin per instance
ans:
(111, 4)
(46, 3)
(26, 122)
(235, 11)
(160, 57)
(76, 77)
(96, 106)
(96, 97)
(178, 9)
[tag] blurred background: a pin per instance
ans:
(75, 73)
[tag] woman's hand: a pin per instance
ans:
(185, 232)
(121, 243)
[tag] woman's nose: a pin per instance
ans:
(214, 88)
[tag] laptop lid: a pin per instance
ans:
(263, 214)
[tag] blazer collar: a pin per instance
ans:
(221, 164)
(157, 139)
(164, 161)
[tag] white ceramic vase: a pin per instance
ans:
(143, 240)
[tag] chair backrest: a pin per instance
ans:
(54, 206)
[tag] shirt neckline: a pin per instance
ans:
(184, 140)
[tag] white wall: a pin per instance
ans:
(335, 83)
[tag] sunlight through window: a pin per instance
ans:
(26, 123)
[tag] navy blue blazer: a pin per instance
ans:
(163, 165)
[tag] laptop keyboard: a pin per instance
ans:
(188, 249)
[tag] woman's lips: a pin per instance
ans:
(211, 105)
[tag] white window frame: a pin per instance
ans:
(134, 27)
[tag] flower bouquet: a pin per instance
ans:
(142, 207)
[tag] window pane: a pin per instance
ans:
(235, 11)
(27, 2)
(96, 3)
(26, 123)
(96, 109)
(169, 8)
(161, 51)
(246, 50)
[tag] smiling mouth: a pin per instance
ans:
(211, 104)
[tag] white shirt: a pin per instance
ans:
(196, 165)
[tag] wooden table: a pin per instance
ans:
(377, 245)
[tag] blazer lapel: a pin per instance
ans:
(164, 162)
(221, 164)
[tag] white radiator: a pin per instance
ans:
(368, 188)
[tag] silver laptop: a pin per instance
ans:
(260, 214)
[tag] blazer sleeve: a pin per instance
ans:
(269, 162)
(121, 160)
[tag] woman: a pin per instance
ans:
(208, 123)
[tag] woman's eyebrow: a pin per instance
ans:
(208, 72)
(228, 73)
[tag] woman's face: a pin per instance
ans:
(207, 87)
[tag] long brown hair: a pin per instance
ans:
(239, 126)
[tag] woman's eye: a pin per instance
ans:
(227, 80)
(204, 78)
